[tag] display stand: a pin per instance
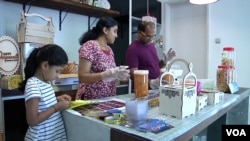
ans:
(9, 64)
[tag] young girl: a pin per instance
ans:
(42, 107)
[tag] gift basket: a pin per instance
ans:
(178, 97)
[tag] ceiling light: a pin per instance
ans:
(202, 1)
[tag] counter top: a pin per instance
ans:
(183, 129)
(16, 94)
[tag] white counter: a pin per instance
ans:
(81, 127)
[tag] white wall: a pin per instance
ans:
(192, 30)
(229, 20)
(72, 27)
(187, 33)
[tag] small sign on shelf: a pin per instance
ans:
(233, 87)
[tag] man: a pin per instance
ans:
(141, 53)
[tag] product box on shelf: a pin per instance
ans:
(178, 100)
(10, 82)
(201, 102)
(66, 79)
(153, 98)
(214, 97)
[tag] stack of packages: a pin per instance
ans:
(226, 74)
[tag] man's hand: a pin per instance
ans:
(168, 56)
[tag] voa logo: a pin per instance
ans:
(236, 132)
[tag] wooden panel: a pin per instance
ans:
(32, 39)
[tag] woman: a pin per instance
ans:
(97, 70)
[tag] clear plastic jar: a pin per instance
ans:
(228, 56)
(225, 75)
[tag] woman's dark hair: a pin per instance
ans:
(96, 31)
(54, 54)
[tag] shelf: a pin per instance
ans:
(136, 18)
(73, 7)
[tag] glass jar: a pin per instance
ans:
(225, 75)
(228, 56)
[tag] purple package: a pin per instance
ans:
(198, 87)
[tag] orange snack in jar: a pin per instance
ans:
(225, 75)
(141, 83)
(228, 56)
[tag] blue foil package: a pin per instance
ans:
(155, 126)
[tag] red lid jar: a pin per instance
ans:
(225, 75)
(228, 56)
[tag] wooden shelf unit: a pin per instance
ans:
(73, 7)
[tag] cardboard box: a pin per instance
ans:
(201, 102)
(66, 81)
(177, 102)
(34, 32)
(214, 97)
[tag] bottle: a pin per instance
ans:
(225, 75)
(228, 56)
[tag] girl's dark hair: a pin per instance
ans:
(96, 31)
(54, 54)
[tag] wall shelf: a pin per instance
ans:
(73, 7)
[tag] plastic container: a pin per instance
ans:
(141, 83)
(228, 56)
(225, 75)
(137, 109)
(207, 84)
